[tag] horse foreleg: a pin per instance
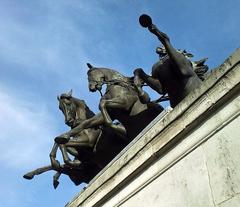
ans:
(119, 103)
(55, 179)
(154, 83)
(55, 163)
(66, 158)
(38, 171)
(92, 122)
(72, 150)
(95, 121)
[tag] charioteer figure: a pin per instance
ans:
(174, 74)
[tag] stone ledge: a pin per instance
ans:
(165, 132)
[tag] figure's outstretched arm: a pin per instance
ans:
(154, 83)
(182, 63)
(160, 35)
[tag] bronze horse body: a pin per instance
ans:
(174, 73)
(92, 148)
(89, 143)
(121, 101)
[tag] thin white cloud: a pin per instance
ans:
(27, 131)
(51, 38)
(32, 41)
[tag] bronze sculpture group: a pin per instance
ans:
(95, 139)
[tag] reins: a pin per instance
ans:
(125, 84)
(131, 84)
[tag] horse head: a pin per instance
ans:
(95, 78)
(74, 109)
(68, 108)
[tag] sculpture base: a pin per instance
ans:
(187, 157)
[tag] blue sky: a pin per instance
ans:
(45, 46)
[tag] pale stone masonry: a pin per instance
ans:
(187, 157)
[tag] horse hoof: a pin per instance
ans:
(61, 140)
(28, 176)
(55, 184)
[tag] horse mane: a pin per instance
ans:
(118, 74)
(199, 66)
(79, 102)
(89, 113)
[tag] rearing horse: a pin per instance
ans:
(92, 148)
(174, 73)
(91, 143)
(121, 101)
